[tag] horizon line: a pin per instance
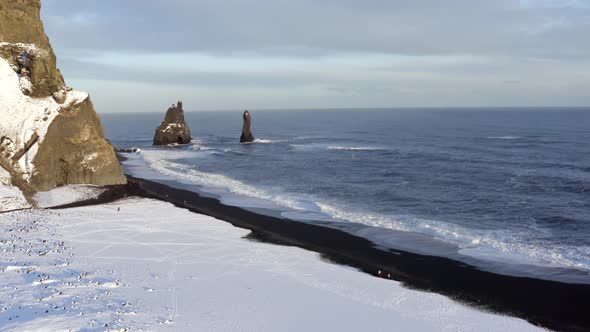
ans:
(396, 108)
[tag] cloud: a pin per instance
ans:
(581, 4)
(329, 52)
(326, 26)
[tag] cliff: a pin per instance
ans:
(20, 22)
(50, 135)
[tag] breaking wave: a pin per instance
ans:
(263, 141)
(316, 146)
(355, 148)
(504, 137)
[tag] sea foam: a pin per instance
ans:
(504, 137)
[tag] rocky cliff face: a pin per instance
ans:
(173, 130)
(50, 135)
(247, 135)
(20, 22)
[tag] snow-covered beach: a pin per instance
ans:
(141, 264)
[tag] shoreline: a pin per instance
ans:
(549, 304)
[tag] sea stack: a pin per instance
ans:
(247, 136)
(50, 134)
(173, 130)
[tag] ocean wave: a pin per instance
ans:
(211, 180)
(310, 137)
(504, 137)
(355, 148)
(171, 154)
(205, 149)
(129, 150)
(508, 245)
(331, 147)
(263, 141)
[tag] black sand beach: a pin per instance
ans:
(550, 304)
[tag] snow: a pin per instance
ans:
(4, 176)
(88, 162)
(25, 84)
(66, 194)
(22, 116)
(11, 198)
(29, 48)
(140, 264)
(174, 127)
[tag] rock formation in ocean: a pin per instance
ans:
(50, 134)
(247, 136)
(173, 130)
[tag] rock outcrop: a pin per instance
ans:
(173, 130)
(20, 23)
(247, 136)
(50, 135)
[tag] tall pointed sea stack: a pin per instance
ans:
(50, 134)
(173, 130)
(247, 136)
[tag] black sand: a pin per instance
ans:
(550, 304)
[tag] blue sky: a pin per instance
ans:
(142, 55)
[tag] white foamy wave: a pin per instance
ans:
(301, 146)
(354, 148)
(201, 148)
(129, 150)
(263, 141)
(170, 154)
(503, 137)
(211, 180)
(196, 141)
(316, 146)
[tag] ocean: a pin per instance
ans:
(504, 190)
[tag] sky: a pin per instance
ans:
(143, 55)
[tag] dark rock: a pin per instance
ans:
(129, 150)
(247, 136)
(173, 129)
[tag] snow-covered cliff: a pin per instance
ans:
(50, 135)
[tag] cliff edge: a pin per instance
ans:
(50, 134)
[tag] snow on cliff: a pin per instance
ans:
(24, 120)
(11, 197)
